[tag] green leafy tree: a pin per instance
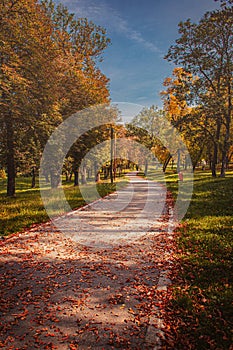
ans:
(206, 49)
(27, 74)
(195, 126)
(47, 72)
(149, 127)
(80, 44)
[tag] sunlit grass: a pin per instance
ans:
(201, 307)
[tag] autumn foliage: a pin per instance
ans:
(48, 70)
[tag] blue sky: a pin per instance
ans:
(141, 32)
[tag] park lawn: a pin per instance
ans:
(20, 212)
(199, 312)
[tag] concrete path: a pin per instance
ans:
(122, 217)
(90, 280)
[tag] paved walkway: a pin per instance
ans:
(89, 280)
(122, 217)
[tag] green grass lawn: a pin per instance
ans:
(26, 208)
(200, 309)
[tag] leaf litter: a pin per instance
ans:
(59, 294)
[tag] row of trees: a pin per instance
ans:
(198, 97)
(48, 70)
(197, 100)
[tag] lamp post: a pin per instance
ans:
(114, 156)
(111, 155)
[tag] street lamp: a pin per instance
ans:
(113, 155)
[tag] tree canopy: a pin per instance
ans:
(205, 50)
(48, 70)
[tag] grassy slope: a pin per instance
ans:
(200, 309)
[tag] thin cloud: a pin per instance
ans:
(122, 27)
(103, 14)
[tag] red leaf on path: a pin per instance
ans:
(73, 347)
(22, 315)
(50, 335)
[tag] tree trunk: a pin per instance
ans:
(215, 155)
(146, 167)
(224, 162)
(166, 162)
(47, 178)
(210, 160)
(10, 156)
(95, 168)
(214, 160)
(106, 173)
(178, 161)
(194, 165)
(197, 159)
(84, 175)
(33, 178)
(228, 117)
(226, 147)
(89, 174)
(76, 178)
(97, 179)
(55, 179)
(185, 163)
